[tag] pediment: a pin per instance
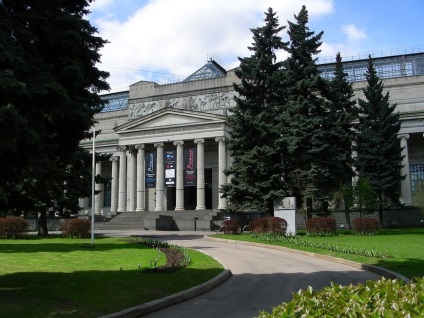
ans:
(170, 118)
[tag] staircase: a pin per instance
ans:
(198, 220)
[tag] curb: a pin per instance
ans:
(155, 305)
(375, 269)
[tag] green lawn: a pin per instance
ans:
(56, 277)
(405, 246)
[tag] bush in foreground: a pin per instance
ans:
(383, 298)
(76, 228)
(321, 226)
(365, 226)
(274, 225)
(13, 227)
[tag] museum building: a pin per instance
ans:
(168, 141)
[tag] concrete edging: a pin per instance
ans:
(155, 305)
(375, 269)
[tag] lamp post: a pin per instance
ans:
(93, 201)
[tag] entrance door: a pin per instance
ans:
(208, 189)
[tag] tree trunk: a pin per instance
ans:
(42, 223)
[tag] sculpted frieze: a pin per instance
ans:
(207, 102)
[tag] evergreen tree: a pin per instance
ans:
(256, 168)
(307, 132)
(49, 88)
(379, 152)
(343, 116)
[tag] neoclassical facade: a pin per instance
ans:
(168, 142)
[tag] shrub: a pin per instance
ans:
(382, 298)
(13, 227)
(365, 226)
(231, 226)
(76, 228)
(270, 224)
(321, 226)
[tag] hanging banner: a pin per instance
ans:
(169, 168)
(150, 170)
(190, 176)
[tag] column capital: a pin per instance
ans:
(141, 146)
(403, 136)
(122, 148)
(219, 139)
(158, 144)
(178, 142)
(199, 141)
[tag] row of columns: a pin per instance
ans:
(128, 175)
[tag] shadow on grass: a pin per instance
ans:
(90, 293)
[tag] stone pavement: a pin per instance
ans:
(261, 278)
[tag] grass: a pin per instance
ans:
(58, 277)
(404, 246)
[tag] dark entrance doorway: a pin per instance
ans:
(208, 189)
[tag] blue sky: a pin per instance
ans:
(165, 40)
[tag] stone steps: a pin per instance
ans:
(164, 220)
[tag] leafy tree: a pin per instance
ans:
(49, 88)
(256, 168)
(306, 130)
(379, 152)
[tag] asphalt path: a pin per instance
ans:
(261, 278)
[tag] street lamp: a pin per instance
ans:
(93, 201)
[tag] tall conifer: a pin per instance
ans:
(379, 152)
(306, 130)
(256, 166)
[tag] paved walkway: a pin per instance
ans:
(262, 278)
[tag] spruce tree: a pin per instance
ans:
(50, 85)
(306, 130)
(379, 156)
(256, 166)
(344, 117)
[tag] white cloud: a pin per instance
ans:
(353, 33)
(175, 37)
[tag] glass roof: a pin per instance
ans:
(210, 70)
(115, 101)
(386, 67)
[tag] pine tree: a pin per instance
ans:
(256, 167)
(48, 57)
(379, 156)
(306, 130)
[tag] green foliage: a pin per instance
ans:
(365, 226)
(13, 227)
(274, 225)
(76, 228)
(49, 86)
(381, 298)
(274, 238)
(379, 157)
(256, 167)
(321, 226)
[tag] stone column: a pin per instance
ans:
(140, 177)
(405, 171)
(222, 165)
(160, 178)
(99, 189)
(132, 180)
(179, 189)
(122, 198)
(200, 204)
(114, 186)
